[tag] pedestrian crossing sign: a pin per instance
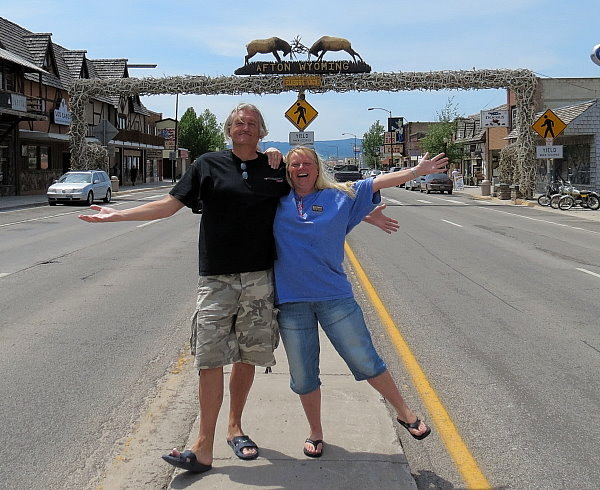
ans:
(549, 125)
(301, 114)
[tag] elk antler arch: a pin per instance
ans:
(522, 82)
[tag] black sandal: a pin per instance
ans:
(415, 426)
(315, 443)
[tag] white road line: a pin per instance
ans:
(4, 274)
(546, 221)
(393, 201)
(424, 201)
(38, 219)
(450, 223)
(148, 198)
(455, 202)
(588, 272)
(149, 223)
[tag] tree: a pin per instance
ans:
(371, 142)
(439, 138)
(200, 134)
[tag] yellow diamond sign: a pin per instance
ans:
(549, 125)
(301, 114)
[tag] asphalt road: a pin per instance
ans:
(93, 318)
(498, 303)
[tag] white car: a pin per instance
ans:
(81, 186)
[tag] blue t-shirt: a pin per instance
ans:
(309, 239)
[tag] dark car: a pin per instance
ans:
(436, 182)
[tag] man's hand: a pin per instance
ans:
(105, 215)
(275, 157)
(377, 218)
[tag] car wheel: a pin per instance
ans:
(450, 191)
(51, 203)
(107, 198)
(428, 191)
(90, 198)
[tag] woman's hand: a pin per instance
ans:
(380, 220)
(426, 167)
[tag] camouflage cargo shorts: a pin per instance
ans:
(235, 320)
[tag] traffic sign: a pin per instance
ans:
(302, 138)
(555, 151)
(549, 125)
(301, 114)
(104, 131)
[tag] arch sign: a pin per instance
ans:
(521, 81)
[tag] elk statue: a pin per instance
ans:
(328, 43)
(270, 45)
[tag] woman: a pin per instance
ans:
(311, 287)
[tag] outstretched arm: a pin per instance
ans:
(163, 208)
(377, 218)
(424, 167)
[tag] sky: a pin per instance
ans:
(552, 38)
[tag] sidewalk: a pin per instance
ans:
(361, 450)
(474, 192)
(17, 202)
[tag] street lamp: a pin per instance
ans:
(355, 157)
(390, 113)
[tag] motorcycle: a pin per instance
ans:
(551, 189)
(585, 199)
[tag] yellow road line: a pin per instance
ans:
(463, 459)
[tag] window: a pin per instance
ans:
(122, 121)
(36, 157)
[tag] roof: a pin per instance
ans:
(111, 68)
(14, 58)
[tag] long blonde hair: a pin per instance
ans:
(324, 181)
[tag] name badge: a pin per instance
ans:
(317, 209)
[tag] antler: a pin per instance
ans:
(298, 47)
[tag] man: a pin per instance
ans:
(234, 321)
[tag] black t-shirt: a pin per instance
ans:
(236, 230)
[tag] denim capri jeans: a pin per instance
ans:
(343, 322)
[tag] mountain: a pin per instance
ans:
(326, 149)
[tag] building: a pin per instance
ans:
(35, 74)
(575, 102)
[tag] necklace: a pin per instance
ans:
(304, 202)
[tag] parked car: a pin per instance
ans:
(346, 173)
(414, 184)
(436, 182)
(374, 173)
(396, 169)
(80, 186)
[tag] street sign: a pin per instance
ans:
(555, 151)
(302, 138)
(301, 114)
(494, 119)
(549, 125)
(104, 131)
